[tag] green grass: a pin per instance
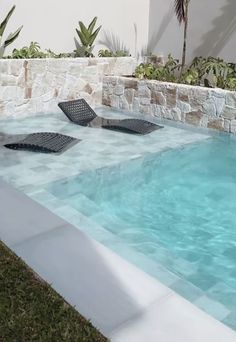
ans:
(30, 310)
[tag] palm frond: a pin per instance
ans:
(180, 10)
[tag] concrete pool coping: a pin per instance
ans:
(125, 303)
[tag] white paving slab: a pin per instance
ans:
(104, 287)
(173, 320)
(21, 218)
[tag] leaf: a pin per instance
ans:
(92, 25)
(84, 30)
(180, 10)
(82, 37)
(94, 35)
(5, 21)
(2, 51)
(12, 36)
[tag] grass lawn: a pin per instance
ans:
(30, 310)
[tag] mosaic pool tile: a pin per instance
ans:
(187, 290)
(212, 307)
(230, 320)
(224, 294)
(203, 280)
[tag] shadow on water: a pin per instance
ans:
(224, 27)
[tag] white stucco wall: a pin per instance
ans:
(52, 23)
(212, 28)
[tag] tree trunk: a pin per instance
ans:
(185, 38)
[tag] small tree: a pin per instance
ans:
(181, 11)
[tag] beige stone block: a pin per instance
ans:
(4, 67)
(16, 67)
(123, 103)
(158, 111)
(229, 112)
(145, 109)
(106, 101)
(184, 107)
(88, 89)
(143, 91)
(176, 114)
(97, 97)
(8, 80)
(219, 102)
(231, 99)
(233, 126)
(209, 107)
(216, 124)
(194, 117)
(136, 104)
(9, 93)
(75, 69)
(227, 125)
(131, 83)
(168, 114)
(198, 97)
(115, 101)
(129, 94)
(119, 89)
(158, 98)
(171, 97)
(145, 101)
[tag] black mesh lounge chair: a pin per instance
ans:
(80, 113)
(46, 142)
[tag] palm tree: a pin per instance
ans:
(181, 11)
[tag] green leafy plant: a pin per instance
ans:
(51, 54)
(190, 76)
(11, 37)
(108, 53)
(215, 72)
(34, 51)
(209, 72)
(161, 73)
(31, 51)
(230, 83)
(145, 71)
(87, 36)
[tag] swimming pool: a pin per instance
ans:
(165, 202)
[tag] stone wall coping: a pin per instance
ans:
(173, 84)
(71, 59)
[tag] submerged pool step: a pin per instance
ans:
(83, 204)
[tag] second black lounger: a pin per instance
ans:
(46, 142)
(80, 113)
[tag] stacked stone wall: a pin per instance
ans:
(205, 107)
(37, 85)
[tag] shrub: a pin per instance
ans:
(34, 51)
(108, 53)
(209, 72)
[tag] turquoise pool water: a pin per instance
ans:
(165, 201)
(178, 209)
